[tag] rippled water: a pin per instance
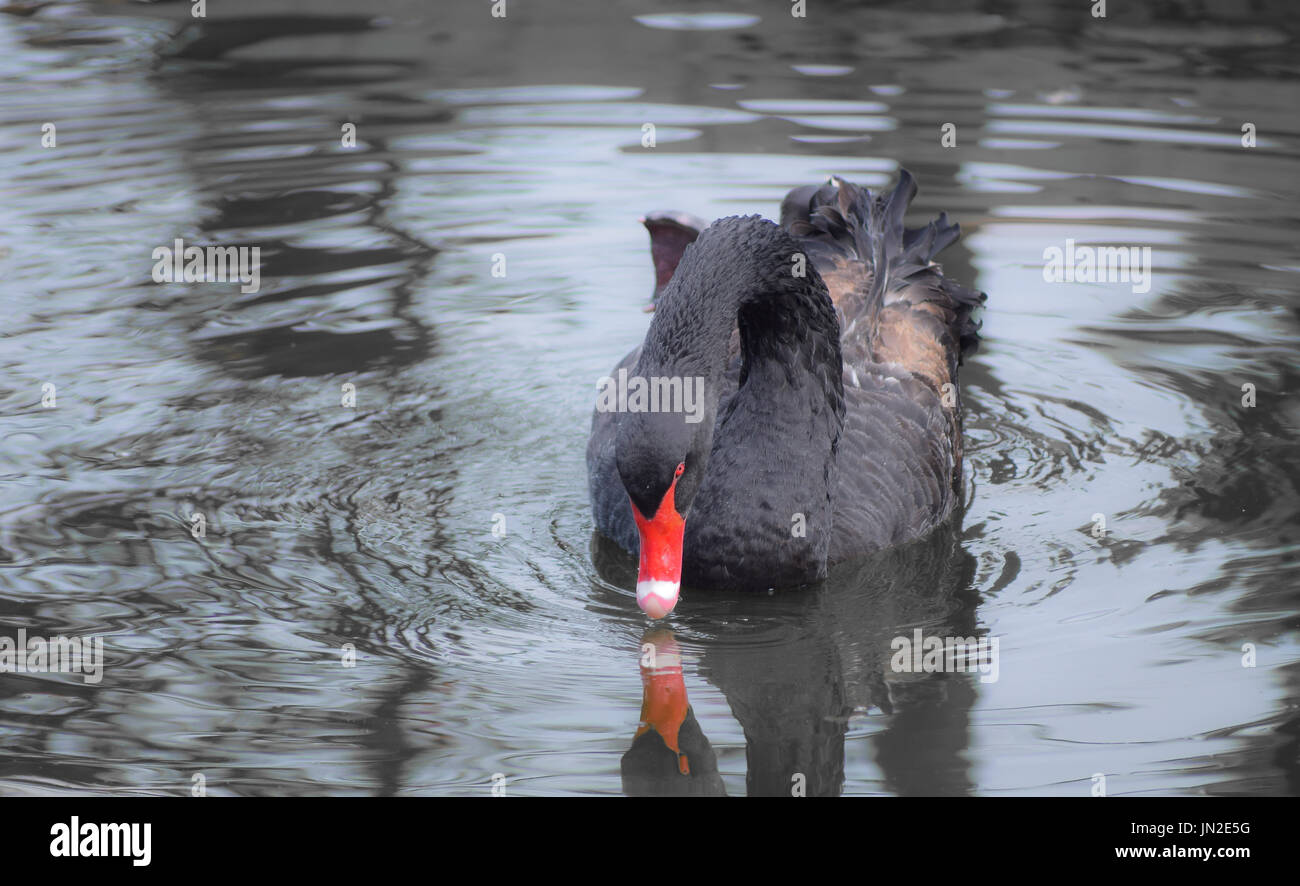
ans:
(517, 652)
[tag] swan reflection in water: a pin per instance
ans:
(795, 666)
(670, 755)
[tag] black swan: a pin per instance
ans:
(795, 401)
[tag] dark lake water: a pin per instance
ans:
(515, 653)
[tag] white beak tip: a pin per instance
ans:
(657, 598)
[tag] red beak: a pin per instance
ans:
(659, 581)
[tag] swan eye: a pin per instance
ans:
(680, 468)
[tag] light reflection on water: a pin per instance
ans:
(519, 654)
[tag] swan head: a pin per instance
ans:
(660, 460)
(659, 575)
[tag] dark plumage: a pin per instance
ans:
(670, 234)
(826, 399)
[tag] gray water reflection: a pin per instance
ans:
(480, 653)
